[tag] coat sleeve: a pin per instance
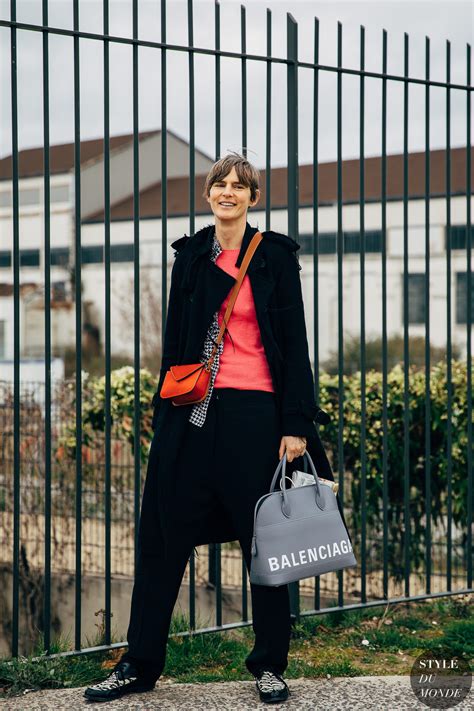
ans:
(170, 344)
(299, 407)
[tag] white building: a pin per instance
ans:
(31, 186)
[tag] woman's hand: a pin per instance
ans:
(294, 446)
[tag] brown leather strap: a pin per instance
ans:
(256, 239)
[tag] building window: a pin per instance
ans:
(5, 198)
(327, 242)
(2, 339)
(121, 253)
(5, 259)
(92, 254)
(29, 196)
(59, 256)
(416, 298)
(33, 196)
(59, 193)
(352, 242)
(461, 297)
(29, 257)
(58, 291)
(458, 237)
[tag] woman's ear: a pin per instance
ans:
(257, 198)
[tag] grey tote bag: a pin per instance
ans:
(298, 533)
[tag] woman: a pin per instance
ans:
(211, 461)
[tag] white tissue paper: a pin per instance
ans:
(303, 479)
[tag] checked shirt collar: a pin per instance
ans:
(199, 410)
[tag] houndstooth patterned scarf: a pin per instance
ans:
(199, 409)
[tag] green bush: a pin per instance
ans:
(372, 448)
(122, 399)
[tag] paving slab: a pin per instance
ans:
(367, 693)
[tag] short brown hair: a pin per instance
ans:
(246, 172)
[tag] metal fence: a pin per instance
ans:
(80, 514)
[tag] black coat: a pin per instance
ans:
(198, 288)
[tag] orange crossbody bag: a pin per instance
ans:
(188, 384)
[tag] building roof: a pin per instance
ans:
(178, 188)
(61, 160)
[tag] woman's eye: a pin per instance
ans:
(220, 185)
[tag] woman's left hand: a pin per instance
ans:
(294, 446)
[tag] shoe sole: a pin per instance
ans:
(275, 701)
(118, 694)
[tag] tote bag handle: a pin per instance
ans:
(286, 508)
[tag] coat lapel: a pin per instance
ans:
(260, 279)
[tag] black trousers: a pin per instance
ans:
(231, 459)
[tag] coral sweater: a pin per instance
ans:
(243, 364)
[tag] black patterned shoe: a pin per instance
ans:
(271, 687)
(124, 679)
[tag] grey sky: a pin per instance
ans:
(440, 21)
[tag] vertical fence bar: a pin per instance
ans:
(406, 393)
(243, 49)
(469, 320)
(218, 586)
(293, 185)
(192, 590)
(340, 314)
(192, 119)
(449, 384)
(268, 120)
(292, 125)
(245, 601)
(427, 324)
(217, 35)
(315, 247)
(215, 549)
(243, 65)
(78, 300)
(164, 170)
(47, 342)
(108, 415)
(136, 278)
(384, 317)
(192, 210)
(363, 461)
(16, 339)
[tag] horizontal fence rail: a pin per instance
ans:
(70, 501)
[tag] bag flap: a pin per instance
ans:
(180, 372)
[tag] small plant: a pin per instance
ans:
(40, 671)
(457, 637)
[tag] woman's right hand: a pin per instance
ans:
(294, 446)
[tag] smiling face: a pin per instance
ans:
(229, 198)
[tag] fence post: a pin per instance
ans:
(292, 127)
